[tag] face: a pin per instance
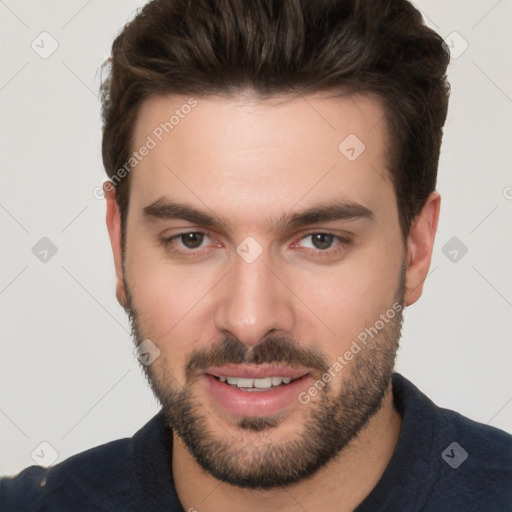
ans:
(265, 262)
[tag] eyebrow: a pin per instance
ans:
(165, 209)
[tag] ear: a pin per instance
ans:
(420, 244)
(114, 232)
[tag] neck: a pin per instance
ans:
(341, 485)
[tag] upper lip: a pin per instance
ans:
(256, 371)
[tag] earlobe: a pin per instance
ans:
(420, 244)
(113, 219)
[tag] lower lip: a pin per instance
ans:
(255, 403)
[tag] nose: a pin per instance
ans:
(254, 302)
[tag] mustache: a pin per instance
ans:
(273, 349)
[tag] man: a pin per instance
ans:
(272, 209)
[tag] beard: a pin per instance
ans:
(328, 424)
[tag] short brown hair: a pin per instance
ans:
(206, 47)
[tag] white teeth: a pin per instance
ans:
(264, 383)
(241, 383)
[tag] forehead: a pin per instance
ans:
(242, 154)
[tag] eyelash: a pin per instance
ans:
(343, 243)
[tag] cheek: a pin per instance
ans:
(165, 295)
(352, 295)
(165, 302)
(172, 300)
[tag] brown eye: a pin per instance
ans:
(322, 240)
(322, 244)
(192, 240)
(189, 244)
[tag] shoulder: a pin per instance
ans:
(68, 485)
(476, 461)
(491, 446)
(468, 463)
(120, 476)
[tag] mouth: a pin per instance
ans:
(255, 391)
(264, 384)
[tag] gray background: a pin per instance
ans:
(68, 376)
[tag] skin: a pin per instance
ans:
(249, 162)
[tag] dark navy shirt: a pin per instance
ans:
(443, 462)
